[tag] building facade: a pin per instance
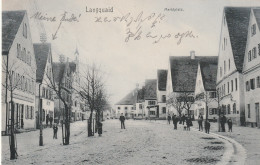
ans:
(251, 70)
(230, 80)
(161, 93)
(18, 71)
(44, 80)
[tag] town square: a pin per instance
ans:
(113, 82)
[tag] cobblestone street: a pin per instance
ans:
(142, 142)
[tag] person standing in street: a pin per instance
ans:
(207, 126)
(230, 123)
(122, 119)
(47, 119)
(183, 119)
(55, 131)
(200, 121)
(222, 122)
(188, 123)
(169, 119)
(51, 119)
(175, 121)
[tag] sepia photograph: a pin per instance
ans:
(130, 82)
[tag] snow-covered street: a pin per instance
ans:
(142, 142)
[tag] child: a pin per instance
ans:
(229, 121)
(55, 130)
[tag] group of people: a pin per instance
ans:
(207, 124)
(184, 119)
(223, 121)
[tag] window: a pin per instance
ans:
(248, 110)
(224, 67)
(258, 82)
(253, 29)
(254, 53)
(224, 42)
(25, 30)
(18, 51)
(220, 71)
(228, 109)
(252, 83)
(228, 64)
(43, 92)
(140, 106)
(249, 56)
(236, 83)
(212, 95)
(163, 109)
(247, 86)
(234, 108)
(228, 86)
(29, 58)
(163, 98)
(224, 89)
(125, 108)
(152, 112)
(231, 85)
(151, 102)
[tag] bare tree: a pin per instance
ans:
(91, 89)
(62, 88)
(10, 84)
(186, 97)
(176, 103)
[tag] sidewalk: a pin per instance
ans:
(248, 137)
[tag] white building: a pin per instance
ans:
(205, 91)
(44, 79)
(230, 80)
(18, 71)
(150, 99)
(181, 81)
(251, 69)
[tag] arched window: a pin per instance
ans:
(25, 30)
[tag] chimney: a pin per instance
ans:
(192, 54)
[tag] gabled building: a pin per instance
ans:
(230, 84)
(161, 93)
(62, 78)
(44, 80)
(181, 79)
(127, 105)
(251, 69)
(205, 91)
(150, 99)
(18, 71)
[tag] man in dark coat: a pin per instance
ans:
(99, 124)
(188, 123)
(122, 119)
(223, 120)
(207, 126)
(183, 118)
(175, 121)
(200, 120)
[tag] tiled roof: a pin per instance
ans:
(150, 89)
(11, 21)
(209, 74)
(129, 99)
(162, 79)
(237, 21)
(41, 52)
(184, 71)
(58, 70)
(140, 95)
(257, 16)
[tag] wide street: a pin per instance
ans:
(142, 142)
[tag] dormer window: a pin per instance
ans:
(253, 30)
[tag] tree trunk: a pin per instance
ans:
(12, 136)
(67, 126)
(90, 124)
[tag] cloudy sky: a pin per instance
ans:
(104, 43)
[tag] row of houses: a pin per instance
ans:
(29, 76)
(227, 84)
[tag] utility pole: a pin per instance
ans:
(40, 119)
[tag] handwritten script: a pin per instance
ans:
(145, 27)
